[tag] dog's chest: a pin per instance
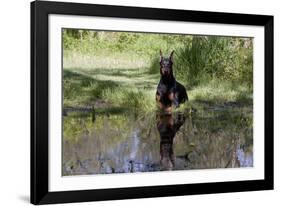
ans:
(164, 88)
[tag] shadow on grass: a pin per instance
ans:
(130, 73)
(86, 80)
(82, 89)
(82, 92)
(112, 110)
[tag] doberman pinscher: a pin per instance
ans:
(169, 91)
(168, 125)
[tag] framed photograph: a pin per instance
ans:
(131, 102)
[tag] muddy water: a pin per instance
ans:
(209, 137)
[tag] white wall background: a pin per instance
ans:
(14, 102)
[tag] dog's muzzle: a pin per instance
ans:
(165, 71)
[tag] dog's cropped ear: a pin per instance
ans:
(161, 56)
(171, 56)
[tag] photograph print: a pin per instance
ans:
(153, 102)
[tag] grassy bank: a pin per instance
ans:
(111, 123)
(119, 71)
(124, 88)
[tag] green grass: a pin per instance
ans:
(116, 86)
(114, 76)
(102, 59)
(217, 91)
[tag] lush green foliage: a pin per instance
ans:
(221, 58)
(122, 68)
(114, 76)
(197, 58)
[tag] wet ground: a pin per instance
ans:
(208, 136)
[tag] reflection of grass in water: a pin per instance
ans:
(209, 137)
(215, 133)
(93, 138)
(74, 128)
(216, 118)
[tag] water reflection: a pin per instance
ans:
(168, 125)
(213, 137)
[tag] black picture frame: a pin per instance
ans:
(39, 102)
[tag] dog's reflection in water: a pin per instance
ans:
(168, 125)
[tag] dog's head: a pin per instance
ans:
(166, 65)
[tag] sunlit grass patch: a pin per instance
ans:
(136, 99)
(75, 127)
(105, 61)
(221, 91)
(125, 80)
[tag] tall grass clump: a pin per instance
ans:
(221, 58)
(131, 98)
